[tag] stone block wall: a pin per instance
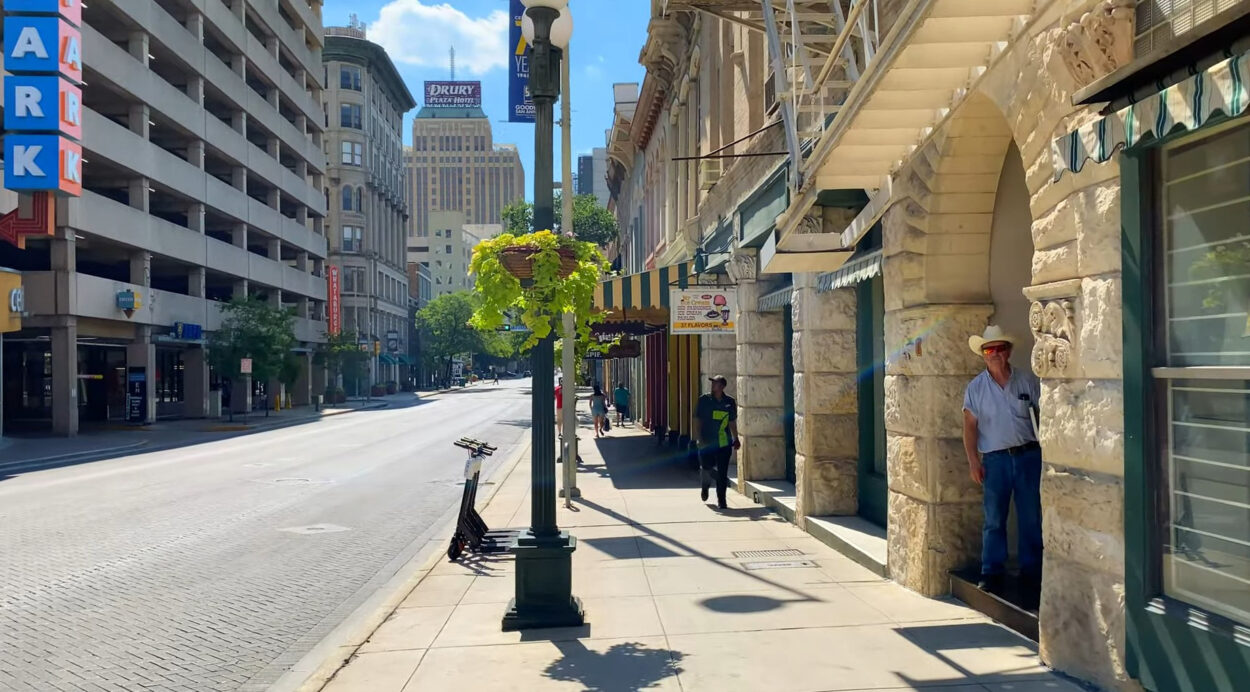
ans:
(759, 368)
(825, 401)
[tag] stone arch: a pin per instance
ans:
(937, 242)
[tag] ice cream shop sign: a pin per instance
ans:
(702, 310)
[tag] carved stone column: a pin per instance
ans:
(760, 365)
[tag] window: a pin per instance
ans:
(347, 198)
(360, 199)
(448, 249)
(353, 153)
(349, 78)
(354, 280)
(1201, 372)
(350, 116)
(352, 239)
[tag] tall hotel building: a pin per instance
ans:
(203, 171)
(454, 164)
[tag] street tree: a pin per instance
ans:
(591, 221)
(345, 361)
(445, 331)
(251, 328)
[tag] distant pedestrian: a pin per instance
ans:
(599, 409)
(495, 373)
(621, 399)
(716, 430)
(560, 408)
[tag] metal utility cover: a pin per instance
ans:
(315, 529)
(776, 552)
(778, 564)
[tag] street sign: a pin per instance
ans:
(245, 366)
(136, 395)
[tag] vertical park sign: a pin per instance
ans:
(43, 96)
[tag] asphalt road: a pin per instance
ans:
(197, 569)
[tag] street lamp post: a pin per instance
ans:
(544, 554)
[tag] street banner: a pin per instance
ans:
(334, 317)
(453, 94)
(702, 310)
(520, 105)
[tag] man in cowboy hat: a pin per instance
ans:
(1000, 440)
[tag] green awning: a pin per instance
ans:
(403, 359)
(388, 359)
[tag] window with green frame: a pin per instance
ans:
(1186, 271)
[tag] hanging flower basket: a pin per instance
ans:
(518, 260)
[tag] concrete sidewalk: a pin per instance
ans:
(681, 596)
(30, 452)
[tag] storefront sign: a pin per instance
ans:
(188, 332)
(392, 342)
(520, 104)
(704, 310)
(136, 395)
(453, 94)
(14, 301)
(43, 117)
(334, 316)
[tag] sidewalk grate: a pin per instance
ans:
(778, 564)
(777, 552)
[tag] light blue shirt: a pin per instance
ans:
(1003, 419)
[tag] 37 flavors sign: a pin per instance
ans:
(702, 310)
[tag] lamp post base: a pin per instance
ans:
(544, 584)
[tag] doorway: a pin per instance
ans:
(787, 396)
(870, 354)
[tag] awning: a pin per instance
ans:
(777, 300)
(853, 272)
(388, 359)
(403, 359)
(643, 290)
(1220, 89)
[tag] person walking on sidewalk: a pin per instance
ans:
(621, 399)
(716, 430)
(1000, 440)
(599, 409)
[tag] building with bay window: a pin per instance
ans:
(1071, 170)
(366, 100)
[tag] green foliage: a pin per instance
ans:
(592, 223)
(290, 370)
(341, 355)
(446, 331)
(252, 328)
(547, 296)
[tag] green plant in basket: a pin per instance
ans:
(536, 277)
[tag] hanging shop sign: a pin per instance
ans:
(453, 94)
(392, 342)
(128, 301)
(520, 104)
(334, 312)
(14, 303)
(43, 96)
(702, 310)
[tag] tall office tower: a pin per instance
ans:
(366, 100)
(202, 181)
(454, 164)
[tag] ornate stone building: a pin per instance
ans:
(882, 179)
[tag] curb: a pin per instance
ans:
(25, 465)
(42, 463)
(363, 630)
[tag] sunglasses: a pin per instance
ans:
(996, 348)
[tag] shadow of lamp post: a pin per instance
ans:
(544, 554)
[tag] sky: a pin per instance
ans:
(417, 34)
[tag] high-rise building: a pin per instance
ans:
(592, 175)
(365, 101)
(446, 252)
(454, 163)
(202, 181)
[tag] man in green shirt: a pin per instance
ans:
(620, 398)
(716, 435)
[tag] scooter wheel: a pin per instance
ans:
(455, 549)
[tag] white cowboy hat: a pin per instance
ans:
(991, 334)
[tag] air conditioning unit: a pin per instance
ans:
(770, 93)
(709, 173)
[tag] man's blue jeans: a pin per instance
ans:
(1008, 474)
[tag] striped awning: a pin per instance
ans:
(853, 272)
(1219, 89)
(647, 289)
(777, 300)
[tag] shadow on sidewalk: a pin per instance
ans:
(624, 667)
(944, 641)
(636, 463)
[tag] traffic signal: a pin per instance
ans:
(505, 328)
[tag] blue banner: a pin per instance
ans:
(520, 105)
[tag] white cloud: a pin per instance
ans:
(414, 33)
